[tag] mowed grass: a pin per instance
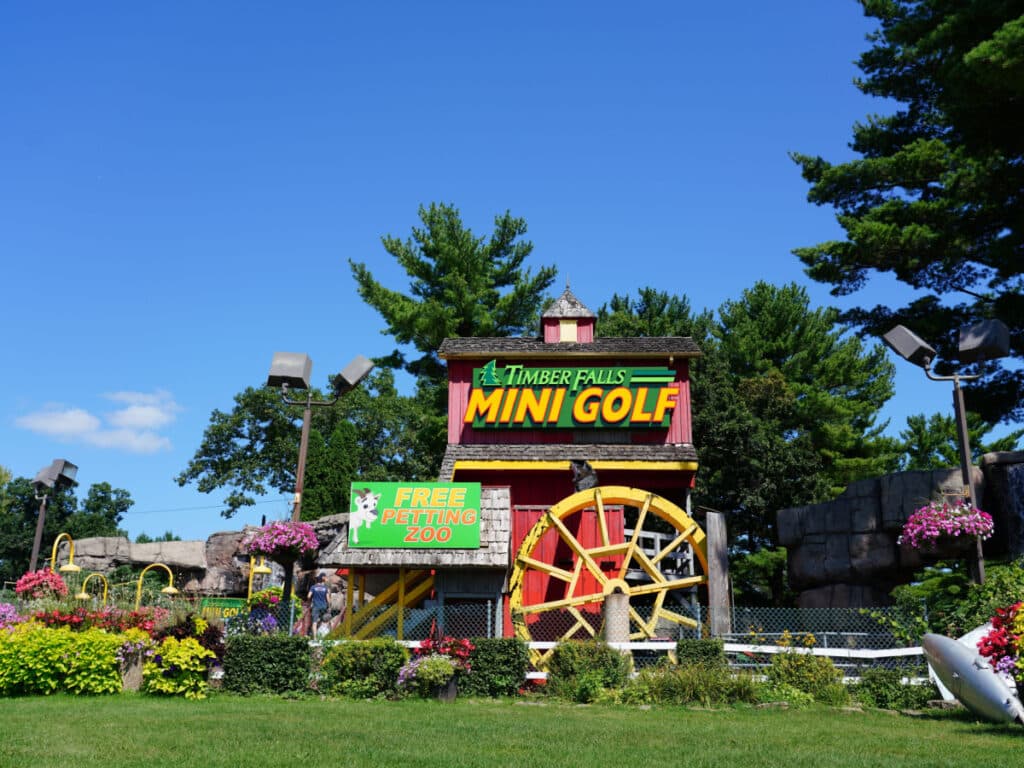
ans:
(132, 730)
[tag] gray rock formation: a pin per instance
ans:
(844, 553)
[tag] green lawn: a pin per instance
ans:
(132, 730)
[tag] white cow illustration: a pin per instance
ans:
(365, 512)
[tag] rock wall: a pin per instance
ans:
(843, 553)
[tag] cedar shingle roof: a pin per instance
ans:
(562, 452)
(535, 347)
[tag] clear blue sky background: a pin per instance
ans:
(181, 185)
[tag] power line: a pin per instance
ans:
(283, 499)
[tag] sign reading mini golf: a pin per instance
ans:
(415, 515)
(518, 396)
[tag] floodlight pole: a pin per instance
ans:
(970, 488)
(33, 563)
(307, 417)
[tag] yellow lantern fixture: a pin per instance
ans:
(168, 590)
(84, 594)
(69, 566)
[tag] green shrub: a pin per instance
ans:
(497, 667)
(804, 671)
(705, 684)
(276, 663)
(775, 692)
(363, 669)
(40, 660)
(885, 689)
(709, 652)
(576, 668)
(177, 668)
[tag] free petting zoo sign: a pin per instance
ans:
(414, 515)
(520, 396)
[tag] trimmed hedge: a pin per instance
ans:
(709, 652)
(363, 669)
(497, 667)
(276, 663)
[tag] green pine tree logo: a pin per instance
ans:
(489, 375)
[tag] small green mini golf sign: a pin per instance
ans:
(414, 515)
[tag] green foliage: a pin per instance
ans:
(144, 538)
(775, 692)
(363, 669)
(933, 443)
(707, 652)
(708, 685)
(37, 660)
(253, 449)
(805, 672)
(497, 667)
(274, 663)
(759, 578)
(432, 672)
(785, 401)
(1004, 585)
(934, 198)
(577, 670)
(928, 603)
(97, 515)
(459, 285)
(885, 689)
(177, 668)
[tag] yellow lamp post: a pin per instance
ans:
(168, 590)
(69, 566)
(84, 595)
(262, 568)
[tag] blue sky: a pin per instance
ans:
(183, 183)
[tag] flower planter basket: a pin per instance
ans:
(449, 691)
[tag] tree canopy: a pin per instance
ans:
(784, 400)
(253, 449)
(459, 285)
(936, 198)
(98, 514)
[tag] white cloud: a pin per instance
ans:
(64, 424)
(133, 428)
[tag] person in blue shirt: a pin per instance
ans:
(318, 602)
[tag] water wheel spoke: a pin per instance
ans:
(650, 568)
(601, 519)
(689, 581)
(567, 602)
(677, 618)
(635, 539)
(550, 570)
(581, 623)
(578, 549)
(645, 629)
(675, 544)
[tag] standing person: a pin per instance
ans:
(318, 602)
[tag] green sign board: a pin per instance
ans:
(221, 607)
(570, 397)
(415, 515)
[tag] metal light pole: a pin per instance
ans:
(59, 474)
(291, 370)
(985, 340)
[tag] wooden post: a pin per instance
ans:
(718, 575)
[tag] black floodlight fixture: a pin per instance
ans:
(291, 369)
(987, 340)
(911, 347)
(59, 474)
(354, 372)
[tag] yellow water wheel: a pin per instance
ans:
(638, 562)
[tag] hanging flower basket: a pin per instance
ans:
(284, 541)
(944, 529)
